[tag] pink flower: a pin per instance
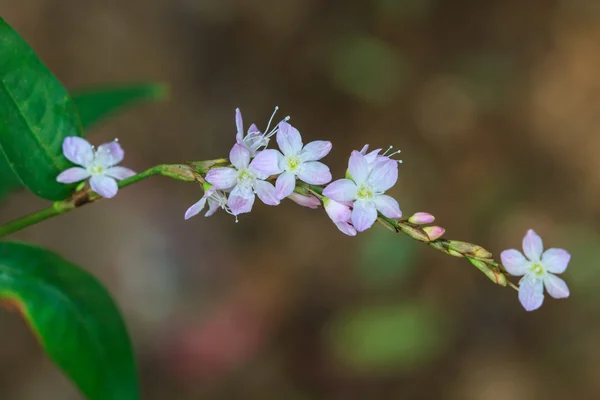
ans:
(99, 165)
(246, 179)
(537, 268)
(340, 214)
(298, 160)
(215, 198)
(366, 188)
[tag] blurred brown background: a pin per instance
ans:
(495, 105)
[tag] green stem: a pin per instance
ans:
(79, 199)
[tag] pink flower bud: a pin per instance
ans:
(434, 232)
(421, 218)
(305, 201)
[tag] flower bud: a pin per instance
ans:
(179, 172)
(421, 218)
(415, 233)
(492, 273)
(469, 249)
(305, 201)
(434, 232)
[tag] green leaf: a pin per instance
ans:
(74, 319)
(36, 114)
(96, 104)
(93, 105)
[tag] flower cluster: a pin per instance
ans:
(253, 166)
(294, 171)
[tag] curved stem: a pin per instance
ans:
(86, 196)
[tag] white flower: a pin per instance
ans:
(538, 270)
(100, 165)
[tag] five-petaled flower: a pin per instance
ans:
(246, 179)
(99, 165)
(366, 188)
(537, 268)
(215, 198)
(299, 161)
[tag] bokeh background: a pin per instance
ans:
(496, 107)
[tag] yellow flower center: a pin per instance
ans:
(364, 192)
(537, 269)
(293, 163)
(96, 169)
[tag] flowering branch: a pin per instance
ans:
(353, 203)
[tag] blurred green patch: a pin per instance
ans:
(367, 68)
(405, 9)
(385, 257)
(389, 337)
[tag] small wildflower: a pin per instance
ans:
(537, 268)
(340, 214)
(305, 201)
(215, 198)
(299, 161)
(421, 218)
(99, 165)
(365, 188)
(246, 179)
(255, 139)
(434, 232)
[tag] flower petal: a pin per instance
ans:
(222, 177)
(119, 172)
(358, 167)
(266, 163)
(341, 190)
(346, 228)
(531, 293)
(266, 192)
(109, 154)
(336, 211)
(241, 200)
(383, 175)
(305, 201)
(372, 156)
(515, 262)
(195, 209)
(285, 185)
(213, 206)
(74, 174)
(104, 185)
(314, 173)
(364, 215)
(532, 245)
(315, 150)
(388, 206)
(77, 150)
(289, 139)
(239, 125)
(556, 260)
(556, 287)
(239, 156)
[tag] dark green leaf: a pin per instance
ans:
(36, 114)
(96, 104)
(74, 319)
